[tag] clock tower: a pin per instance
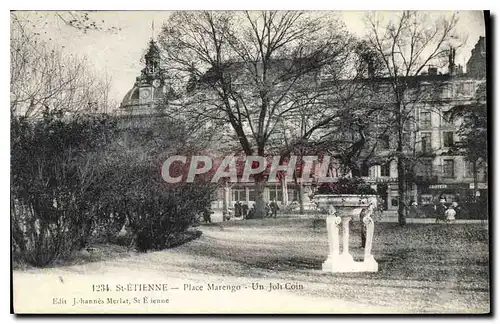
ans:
(152, 77)
(149, 88)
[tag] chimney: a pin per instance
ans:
(451, 62)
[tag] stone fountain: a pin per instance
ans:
(340, 210)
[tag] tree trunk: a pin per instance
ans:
(401, 168)
(284, 192)
(225, 202)
(301, 197)
(260, 205)
(474, 171)
(401, 192)
(260, 183)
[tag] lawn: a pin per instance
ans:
(422, 267)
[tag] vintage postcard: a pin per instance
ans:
(249, 162)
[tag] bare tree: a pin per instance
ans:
(252, 70)
(406, 45)
(44, 77)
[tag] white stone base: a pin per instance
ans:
(346, 264)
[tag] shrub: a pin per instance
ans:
(158, 214)
(55, 183)
(346, 186)
(78, 180)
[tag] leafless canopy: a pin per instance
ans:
(260, 72)
(44, 77)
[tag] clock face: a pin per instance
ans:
(145, 93)
(156, 83)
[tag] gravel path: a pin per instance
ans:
(249, 258)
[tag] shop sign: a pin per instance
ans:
(449, 186)
(381, 179)
(479, 186)
(438, 186)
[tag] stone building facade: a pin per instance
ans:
(438, 171)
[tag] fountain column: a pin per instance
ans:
(345, 239)
(332, 227)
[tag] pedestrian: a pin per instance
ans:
(237, 209)
(413, 209)
(207, 216)
(274, 208)
(450, 214)
(268, 210)
(244, 210)
(458, 209)
(251, 213)
(440, 210)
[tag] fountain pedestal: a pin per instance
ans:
(341, 209)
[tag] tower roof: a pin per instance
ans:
(152, 78)
(153, 52)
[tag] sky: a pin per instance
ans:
(118, 54)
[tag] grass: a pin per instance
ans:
(422, 267)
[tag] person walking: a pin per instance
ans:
(458, 209)
(413, 209)
(268, 210)
(274, 208)
(207, 215)
(251, 213)
(450, 214)
(440, 210)
(244, 210)
(237, 209)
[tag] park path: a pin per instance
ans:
(239, 255)
(35, 289)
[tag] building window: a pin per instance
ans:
(272, 194)
(394, 202)
(239, 195)
(385, 170)
(426, 143)
(407, 142)
(448, 90)
(465, 89)
(252, 195)
(384, 142)
(447, 139)
(275, 193)
(407, 125)
(425, 119)
(467, 120)
(426, 168)
(446, 121)
(449, 168)
(365, 170)
(469, 169)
